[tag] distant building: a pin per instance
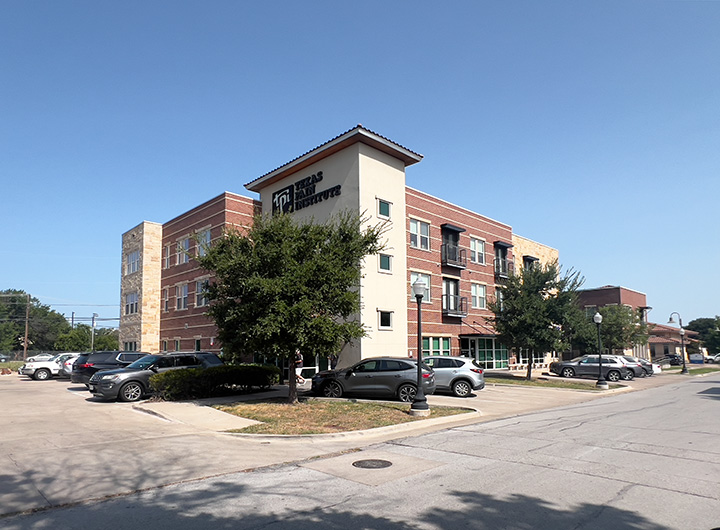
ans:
(665, 340)
(592, 299)
(462, 256)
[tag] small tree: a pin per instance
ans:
(622, 327)
(536, 310)
(280, 286)
(708, 332)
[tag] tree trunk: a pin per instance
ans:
(292, 384)
(531, 354)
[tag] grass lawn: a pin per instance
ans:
(694, 369)
(543, 382)
(315, 416)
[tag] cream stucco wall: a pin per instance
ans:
(523, 246)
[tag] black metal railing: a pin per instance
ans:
(454, 256)
(504, 267)
(454, 305)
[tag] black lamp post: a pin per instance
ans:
(682, 339)
(601, 383)
(419, 405)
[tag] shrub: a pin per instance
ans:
(197, 383)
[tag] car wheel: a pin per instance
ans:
(131, 391)
(567, 372)
(42, 374)
(613, 375)
(332, 390)
(461, 388)
(406, 393)
(630, 375)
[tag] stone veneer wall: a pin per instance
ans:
(142, 327)
(527, 247)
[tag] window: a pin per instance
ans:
(166, 300)
(177, 344)
(419, 234)
(414, 276)
(201, 293)
(477, 251)
(167, 256)
(181, 296)
(203, 242)
(479, 299)
(164, 345)
(383, 209)
(131, 303)
(436, 345)
(385, 262)
(130, 346)
(198, 343)
(183, 250)
(132, 263)
(385, 319)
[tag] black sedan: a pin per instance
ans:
(589, 365)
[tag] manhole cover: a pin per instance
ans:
(372, 464)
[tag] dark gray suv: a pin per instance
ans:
(133, 382)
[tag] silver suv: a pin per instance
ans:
(460, 375)
(133, 382)
(589, 366)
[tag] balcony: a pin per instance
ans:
(454, 305)
(504, 267)
(453, 256)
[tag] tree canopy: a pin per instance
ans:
(283, 285)
(708, 332)
(80, 339)
(44, 324)
(622, 327)
(537, 309)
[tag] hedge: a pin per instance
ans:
(195, 383)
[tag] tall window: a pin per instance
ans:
(198, 344)
(183, 250)
(177, 344)
(132, 263)
(203, 242)
(166, 300)
(167, 256)
(419, 234)
(415, 276)
(131, 303)
(201, 293)
(181, 296)
(479, 298)
(477, 251)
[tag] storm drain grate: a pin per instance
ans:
(372, 464)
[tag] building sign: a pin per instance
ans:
(302, 194)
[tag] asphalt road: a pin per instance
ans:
(639, 460)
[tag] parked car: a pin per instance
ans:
(88, 363)
(588, 365)
(714, 358)
(40, 357)
(674, 359)
(66, 361)
(376, 377)
(635, 368)
(133, 382)
(459, 375)
(41, 370)
(647, 367)
(4, 358)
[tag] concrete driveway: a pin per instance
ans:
(59, 445)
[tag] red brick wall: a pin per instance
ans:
(437, 212)
(219, 213)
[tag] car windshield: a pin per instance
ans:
(144, 362)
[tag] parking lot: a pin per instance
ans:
(59, 445)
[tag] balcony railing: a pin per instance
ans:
(454, 305)
(454, 256)
(504, 267)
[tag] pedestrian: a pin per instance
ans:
(333, 361)
(298, 367)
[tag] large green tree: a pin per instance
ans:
(80, 339)
(537, 309)
(708, 332)
(44, 324)
(283, 285)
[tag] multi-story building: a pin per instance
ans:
(461, 255)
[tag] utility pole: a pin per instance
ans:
(27, 326)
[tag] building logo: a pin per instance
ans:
(282, 200)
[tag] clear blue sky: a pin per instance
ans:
(592, 127)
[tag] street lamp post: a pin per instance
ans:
(682, 339)
(419, 405)
(92, 333)
(601, 383)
